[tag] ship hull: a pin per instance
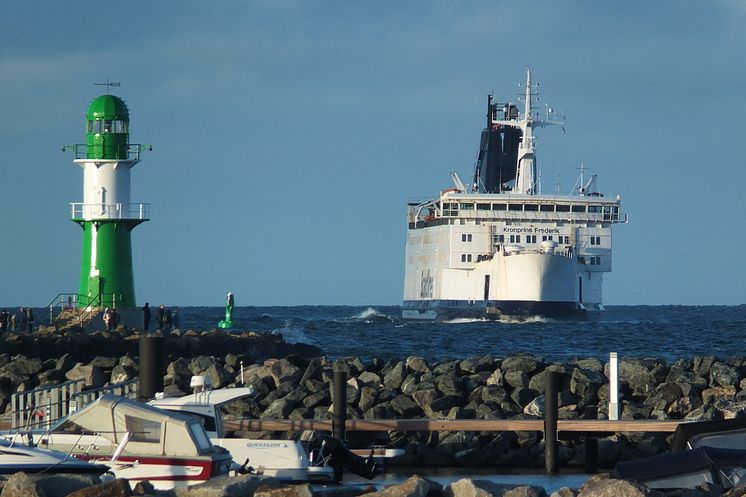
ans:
(449, 310)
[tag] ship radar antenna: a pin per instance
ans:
(108, 85)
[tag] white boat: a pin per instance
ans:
(16, 456)
(286, 460)
(502, 246)
(138, 442)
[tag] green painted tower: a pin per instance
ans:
(106, 215)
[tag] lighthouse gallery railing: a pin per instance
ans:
(110, 211)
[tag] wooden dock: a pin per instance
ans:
(574, 425)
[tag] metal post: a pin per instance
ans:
(591, 443)
(613, 387)
(339, 401)
(551, 413)
(151, 366)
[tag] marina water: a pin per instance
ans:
(665, 332)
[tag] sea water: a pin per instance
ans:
(665, 332)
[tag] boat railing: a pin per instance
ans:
(41, 407)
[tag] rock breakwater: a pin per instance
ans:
(295, 381)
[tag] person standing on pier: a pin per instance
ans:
(22, 312)
(29, 319)
(146, 316)
(160, 315)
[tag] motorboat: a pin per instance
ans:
(286, 460)
(700, 452)
(138, 442)
(15, 457)
(687, 468)
(722, 433)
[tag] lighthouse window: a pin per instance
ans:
(546, 208)
(578, 208)
(515, 207)
(563, 208)
(498, 207)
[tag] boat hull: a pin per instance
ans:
(449, 310)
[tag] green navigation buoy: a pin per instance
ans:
(227, 323)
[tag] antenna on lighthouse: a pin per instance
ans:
(108, 84)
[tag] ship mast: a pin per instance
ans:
(526, 178)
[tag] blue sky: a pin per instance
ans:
(289, 135)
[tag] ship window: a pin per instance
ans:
(468, 257)
(465, 237)
(545, 238)
(515, 207)
(467, 207)
(546, 208)
(498, 207)
(598, 240)
(483, 207)
(515, 238)
(530, 238)
(578, 208)
(563, 208)
(594, 208)
(143, 430)
(531, 207)
(498, 239)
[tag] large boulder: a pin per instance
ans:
(227, 486)
(284, 371)
(64, 484)
(302, 490)
(92, 376)
(615, 488)
(416, 486)
(466, 487)
(20, 485)
(115, 488)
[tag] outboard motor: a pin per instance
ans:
(336, 454)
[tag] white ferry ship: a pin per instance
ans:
(502, 247)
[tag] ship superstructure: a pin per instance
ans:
(501, 246)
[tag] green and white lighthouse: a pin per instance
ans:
(107, 215)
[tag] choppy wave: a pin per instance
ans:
(465, 320)
(371, 315)
(667, 332)
(292, 334)
(524, 319)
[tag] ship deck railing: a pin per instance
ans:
(570, 217)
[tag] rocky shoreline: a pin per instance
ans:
(295, 381)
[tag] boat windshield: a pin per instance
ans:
(199, 435)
